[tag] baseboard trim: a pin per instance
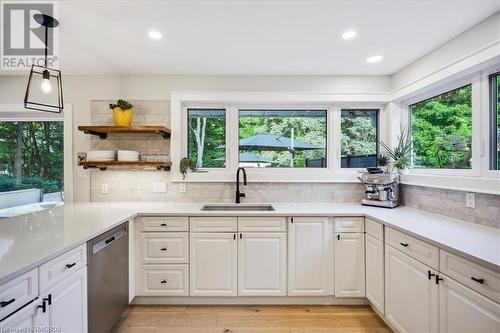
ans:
(285, 300)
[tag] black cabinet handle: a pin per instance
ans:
(70, 265)
(438, 279)
(43, 307)
(234, 236)
(430, 274)
(481, 281)
(404, 244)
(241, 235)
(163, 249)
(163, 281)
(3, 304)
(338, 237)
(291, 219)
(163, 225)
(48, 299)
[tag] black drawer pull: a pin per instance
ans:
(404, 244)
(43, 307)
(163, 249)
(163, 225)
(438, 279)
(70, 265)
(163, 281)
(3, 304)
(48, 299)
(430, 274)
(481, 281)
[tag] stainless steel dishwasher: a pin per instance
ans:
(107, 261)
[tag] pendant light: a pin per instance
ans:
(44, 90)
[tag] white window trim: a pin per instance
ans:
(232, 102)
(486, 126)
(17, 112)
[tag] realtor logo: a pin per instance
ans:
(22, 38)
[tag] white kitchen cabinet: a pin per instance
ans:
(350, 264)
(262, 264)
(374, 254)
(66, 304)
(463, 310)
(213, 264)
(24, 320)
(411, 293)
(310, 256)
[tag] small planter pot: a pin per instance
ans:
(404, 171)
(123, 117)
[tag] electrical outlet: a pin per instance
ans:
(104, 188)
(159, 187)
(470, 200)
(182, 187)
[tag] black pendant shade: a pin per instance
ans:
(44, 89)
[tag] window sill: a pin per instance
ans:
(458, 183)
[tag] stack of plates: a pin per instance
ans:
(101, 155)
(128, 155)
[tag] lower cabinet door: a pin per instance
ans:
(163, 280)
(67, 311)
(24, 320)
(349, 265)
(262, 264)
(411, 297)
(213, 264)
(374, 254)
(463, 310)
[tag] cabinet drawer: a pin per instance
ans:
(349, 224)
(422, 251)
(213, 224)
(62, 266)
(268, 224)
(464, 271)
(164, 223)
(18, 292)
(167, 248)
(163, 280)
(374, 229)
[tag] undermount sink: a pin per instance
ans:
(238, 207)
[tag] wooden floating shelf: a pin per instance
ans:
(104, 165)
(103, 131)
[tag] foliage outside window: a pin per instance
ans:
(442, 130)
(359, 137)
(282, 138)
(207, 137)
(495, 121)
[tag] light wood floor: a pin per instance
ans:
(251, 319)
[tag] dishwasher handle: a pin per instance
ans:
(99, 246)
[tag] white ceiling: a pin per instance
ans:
(257, 37)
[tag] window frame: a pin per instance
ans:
(493, 80)
(475, 82)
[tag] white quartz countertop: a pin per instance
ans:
(29, 240)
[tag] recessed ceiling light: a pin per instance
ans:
(373, 59)
(153, 34)
(349, 34)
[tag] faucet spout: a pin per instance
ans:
(240, 195)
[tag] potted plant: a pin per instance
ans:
(401, 153)
(383, 161)
(186, 165)
(122, 113)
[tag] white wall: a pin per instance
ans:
(79, 91)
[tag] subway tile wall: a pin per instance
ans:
(137, 185)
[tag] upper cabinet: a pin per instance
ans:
(310, 256)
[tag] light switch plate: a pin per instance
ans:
(182, 187)
(104, 188)
(159, 187)
(470, 200)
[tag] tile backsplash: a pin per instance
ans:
(137, 185)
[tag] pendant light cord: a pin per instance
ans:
(46, 44)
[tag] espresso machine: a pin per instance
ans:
(381, 189)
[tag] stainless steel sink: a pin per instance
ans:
(238, 207)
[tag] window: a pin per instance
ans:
(495, 121)
(441, 129)
(282, 138)
(359, 138)
(31, 166)
(207, 137)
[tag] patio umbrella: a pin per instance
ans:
(248, 157)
